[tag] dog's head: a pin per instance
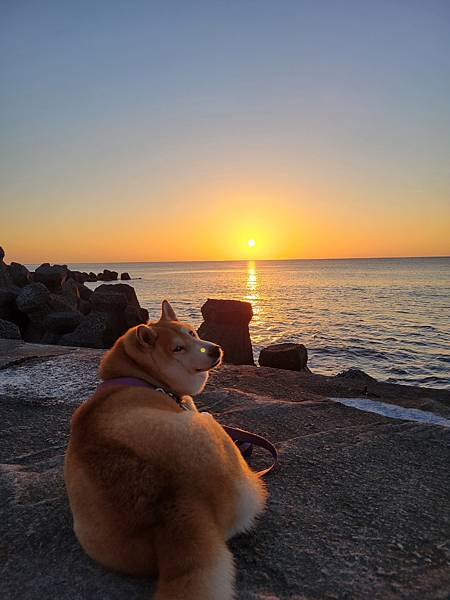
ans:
(173, 353)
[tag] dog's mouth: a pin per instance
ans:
(210, 367)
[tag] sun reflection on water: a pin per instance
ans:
(252, 294)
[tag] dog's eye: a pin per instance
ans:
(178, 348)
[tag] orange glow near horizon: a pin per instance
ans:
(219, 225)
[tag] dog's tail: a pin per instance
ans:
(194, 564)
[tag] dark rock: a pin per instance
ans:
(19, 274)
(284, 356)
(107, 301)
(355, 374)
(62, 322)
(84, 292)
(38, 303)
(34, 301)
(226, 323)
(8, 307)
(125, 276)
(78, 276)
(99, 276)
(143, 314)
(70, 292)
(229, 312)
(9, 330)
(92, 332)
(108, 275)
(52, 276)
(115, 308)
(120, 288)
(5, 280)
(59, 302)
(85, 307)
(50, 338)
(33, 298)
(75, 276)
(135, 316)
(92, 276)
(2, 253)
(33, 332)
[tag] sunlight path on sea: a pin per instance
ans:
(388, 317)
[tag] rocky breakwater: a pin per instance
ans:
(53, 306)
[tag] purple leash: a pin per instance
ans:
(243, 439)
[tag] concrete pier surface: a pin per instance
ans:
(358, 508)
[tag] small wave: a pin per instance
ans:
(393, 411)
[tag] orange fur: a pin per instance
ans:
(153, 488)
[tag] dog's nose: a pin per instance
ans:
(214, 351)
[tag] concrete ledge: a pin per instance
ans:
(358, 508)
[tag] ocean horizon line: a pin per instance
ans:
(240, 260)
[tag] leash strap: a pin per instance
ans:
(241, 435)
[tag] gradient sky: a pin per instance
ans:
(178, 130)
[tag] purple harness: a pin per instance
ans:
(242, 438)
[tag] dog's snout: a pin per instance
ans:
(214, 351)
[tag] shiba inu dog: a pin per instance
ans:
(155, 488)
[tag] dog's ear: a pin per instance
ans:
(146, 336)
(167, 312)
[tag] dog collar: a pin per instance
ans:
(137, 382)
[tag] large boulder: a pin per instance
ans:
(226, 323)
(78, 276)
(8, 307)
(5, 280)
(115, 308)
(19, 274)
(94, 331)
(33, 298)
(9, 330)
(52, 276)
(108, 275)
(122, 289)
(84, 292)
(62, 322)
(104, 301)
(70, 292)
(284, 356)
(38, 303)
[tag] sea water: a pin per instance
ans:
(389, 317)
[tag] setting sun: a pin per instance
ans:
(251, 243)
